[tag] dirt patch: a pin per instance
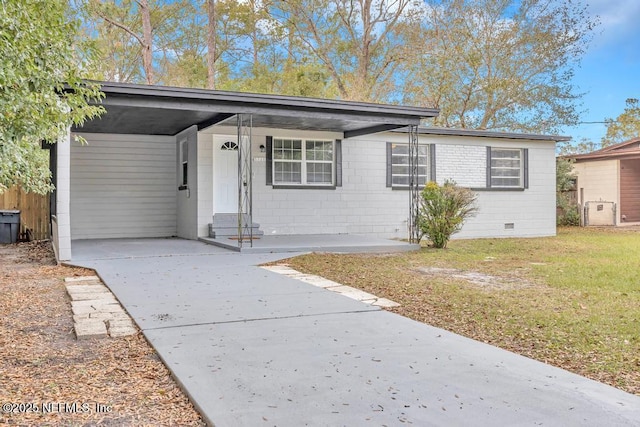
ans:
(47, 377)
(476, 278)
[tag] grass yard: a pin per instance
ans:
(572, 301)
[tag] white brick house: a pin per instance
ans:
(164, 162)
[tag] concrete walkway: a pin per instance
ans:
(252, 347)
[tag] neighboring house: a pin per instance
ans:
(610, 175)
(183, 162)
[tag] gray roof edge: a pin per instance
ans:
(132, 89)
(486, 134)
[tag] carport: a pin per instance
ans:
(136, 178)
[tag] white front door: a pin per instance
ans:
(225, 174)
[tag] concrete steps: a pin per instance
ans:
(226, 225)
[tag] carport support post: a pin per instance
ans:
(414, 192)
(245, 192)
(61, 221)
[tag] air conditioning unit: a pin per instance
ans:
(600, 213)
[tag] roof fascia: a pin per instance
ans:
(629, 155)
(487, 134)
(264, 100)
(238, 107)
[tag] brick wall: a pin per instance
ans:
(365, 205)
(465, 164)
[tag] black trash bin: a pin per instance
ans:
(9, 226)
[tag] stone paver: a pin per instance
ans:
(90, 329)
(96, 311)
(94, 304)
(82, 279)
(97, 287)
(330, 285)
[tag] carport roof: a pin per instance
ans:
(161, 110)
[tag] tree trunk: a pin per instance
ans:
(147, 36)
(211, 44)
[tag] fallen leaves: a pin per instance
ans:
(41, 361)
(507, 302)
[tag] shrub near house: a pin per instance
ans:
(443, 211)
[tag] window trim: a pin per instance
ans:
(524, 170)
(336, 165)
(430, 165)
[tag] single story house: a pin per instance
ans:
(196, 163)
(608, 184)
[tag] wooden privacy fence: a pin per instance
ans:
(34, 212)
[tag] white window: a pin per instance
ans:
(507, 169)
(398, 165)
(303, 162)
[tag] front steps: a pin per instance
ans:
(225, 225)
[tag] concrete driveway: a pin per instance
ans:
(252, 347)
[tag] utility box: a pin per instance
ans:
(9, 226)
(600, 213)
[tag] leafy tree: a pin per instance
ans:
(212, 43)
(565, 177)
(145, 25)
(566, 148)
(443, 211)
(499, 64)
(358, 42)
(41, 91)
(181, 57)
(121, 15)
(568, 211)
(625, 126)
(118, 55)
(486, 64)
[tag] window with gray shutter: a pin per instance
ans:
(398, 165)
(507, 168)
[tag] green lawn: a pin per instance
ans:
(572, 300)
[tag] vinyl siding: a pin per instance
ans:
(123, 186)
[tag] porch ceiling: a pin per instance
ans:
(157, 110)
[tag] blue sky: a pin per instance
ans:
(610, 70)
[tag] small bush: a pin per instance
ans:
(443, 211)
(567, 212)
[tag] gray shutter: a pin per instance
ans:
(488, 167)
(525, 160)
(338, 163)
(389, 181)
(432, 162)
(269, 160)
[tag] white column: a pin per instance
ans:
(62, 221)
(205, 183)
